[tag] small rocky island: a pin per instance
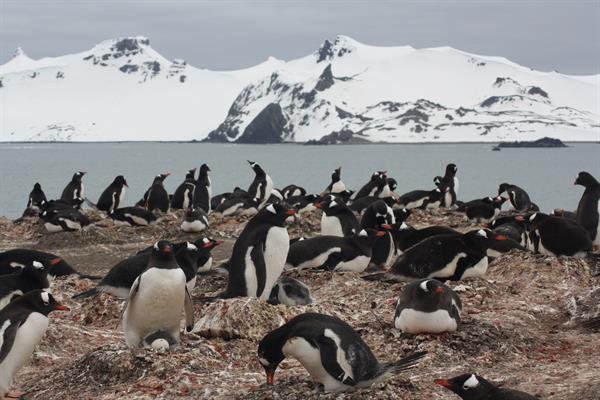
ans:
(543, 142)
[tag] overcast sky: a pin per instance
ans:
(542, 34)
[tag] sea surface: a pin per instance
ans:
(547, 174)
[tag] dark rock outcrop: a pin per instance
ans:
(543, 142)
(325, 80)
(266, 127)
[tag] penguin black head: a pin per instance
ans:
(336, 175)
(331, 204)
(37, 186)
(204, 168)
(276, 213)
(431, 287)
(270, 351)
(467, 386)
(160, 178)
(437, 181)
(401, 215)
(163, 250)
(451, 169)
(120, 180)
(40, 301)
(78, 175)
(191, 174)
(392, 184)
(585, 179)
(207, 243)
(499, 201)
(257, 168)
(367, 237)
(482, 238)
(503, 188)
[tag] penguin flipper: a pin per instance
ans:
(329, 359)
(332, 261)
(258, 258)
(189, 311)
(9, 337)
(88, 293)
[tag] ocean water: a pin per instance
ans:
(547, 174)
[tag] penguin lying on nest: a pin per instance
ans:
(474, 387)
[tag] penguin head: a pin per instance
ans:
(368, 236)
(204, 169)
(163, 250)
(451, 169)
(207, 243)
(467, 386)
(401, 214)
(276, 213)
(41, 301)
(336, 175)
(585, 179)
(159, 179)
(432, 287)
(437, 181)
(256, 168)
(37, 187)
(191, 174)
(503, 188)
(392, 183)
(270, 351)
(120, 181)
(499, 201)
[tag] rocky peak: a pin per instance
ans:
(341, 45)
(325, 52)
(19, 52)
(325, 80)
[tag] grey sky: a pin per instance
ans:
(542, 34)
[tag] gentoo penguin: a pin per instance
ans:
(303, 204)
(203, 191)
(36, 198)
(587, 209)
(431, 199)
(292, 190)
(376, 187)
(555, 236)
(442, 257)
(336, 185)
(262, 185)
(485, 210)
(23, 323)
(290, 292)
(448, 184)
(218, 199)
(406, 236)
(132, 216)
(337, 219)
(380, 216)
(276, 196)
(112, 197)
(33, 276)
(157, 299)
(519, 199)
(474, 387)
(67, 220)
(259, 253)
(334, 253)
(393, 184)
(512, 226)
(401, 214)
(57, 205)
(183, 197)
(427, 306)
(74, 189)
(237, 205)
(331, 351)
(16, 259)
(194, 220)
(156, 197)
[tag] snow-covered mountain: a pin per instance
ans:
(346, 91)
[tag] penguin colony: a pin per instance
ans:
(361, 232)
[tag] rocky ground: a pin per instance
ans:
(520, 326)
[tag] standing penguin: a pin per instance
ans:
(336, 185)
(157, 197)
(380, 216)
(183, 197)
(337, 218)
(259, 253)
(474, 387)
(427, 306)
(203, 191)
(112, 197)
(449, 185)
(331, 351)
(157, 298)
(588, 207)
(23, 323)
(74, 189)
(262, 185)
(37, 198)
(518, 197)
(376, 187)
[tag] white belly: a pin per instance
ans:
(276, 250)
(121, 198)
(477, 270)
(331, 226)
(318, 260)
(29, 335)
(338, 187)
(385, 192)
(413, 321)
(207, 266)
(358, 264)
(449, 269)
(186, 199)
(193, 226)
(158, 305)
(415, 204)
(232, 210)
(456, 185)
(71, 224)
(52, 228)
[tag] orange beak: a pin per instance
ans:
(386, 226)
(501, 237)
(520, 218)
(444, 383)
(380, 234)
(60, 307)
(439, 290)
(318, 205)
(270, 377)
(55, 261)
(291, 212)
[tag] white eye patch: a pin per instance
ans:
(190, 246)
(403, 226)
(155, 246)
(45, 297)
(332, 204)
(362, 233)
(205, 240)
(423, 286)
(481, 232)
(532, 217)
(271, 209)
(470, 383)
(38, 265)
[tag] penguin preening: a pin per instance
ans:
(132, 216)
(259, 253)
(156, 197)
(203, 190)
(23, 323)
(331, 351)
(304, 203)
(112, 197)
(517, 197)
(485, 210)
(262, 185)
(66, 220)
(427, 306)
(33, 276)
(157, 299)
(292, 190)
(556, 236)
(290, 292)
(474, 387)
(376, 187)
(448, 184)
(587, 210)
(74, 189)
(183, 197)
(430, 199)
(380, 216)
(337, 219)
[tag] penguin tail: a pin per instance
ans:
(90, 204)
(401, 365)
(89, 293)
(91, 277)
(381, 277)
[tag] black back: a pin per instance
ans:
(111, 196)
(203, 190)
(73, 190)
(33, 276)
(23, 257)
(185, 191)
(474, 387)
(157, 197)
(587, 209)
(37, 197)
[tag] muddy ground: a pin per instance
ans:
(520, 326)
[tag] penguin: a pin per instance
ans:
(334, 253)
(427, 306)
(37, 197)
(443, 257)
(194, 220)
(183, 197)
(219, 199)
(303, 204)
(393, 184)
(262, 185)
(290, 292)
(292, 190)
(259, 253)
(519, 199)
(337, 219)
(430, 199)
(16, 259)
(238, 206)
(448, 184)
(132, 216)
(485, 210)
(376, 187)
(275, 196)
(157, 298)
(23, 323)
(33, 276)
(205, 259)
(587, 209)
(74, 189)
(336, 185)
(58, 205)
(203, 191)
(401, 214)
(474, 387)
(112, 197)
(66, 220)
(380, 216)
(555, 236)
(331, 351)
(156, 197)
(406, 236)
(512, 227)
